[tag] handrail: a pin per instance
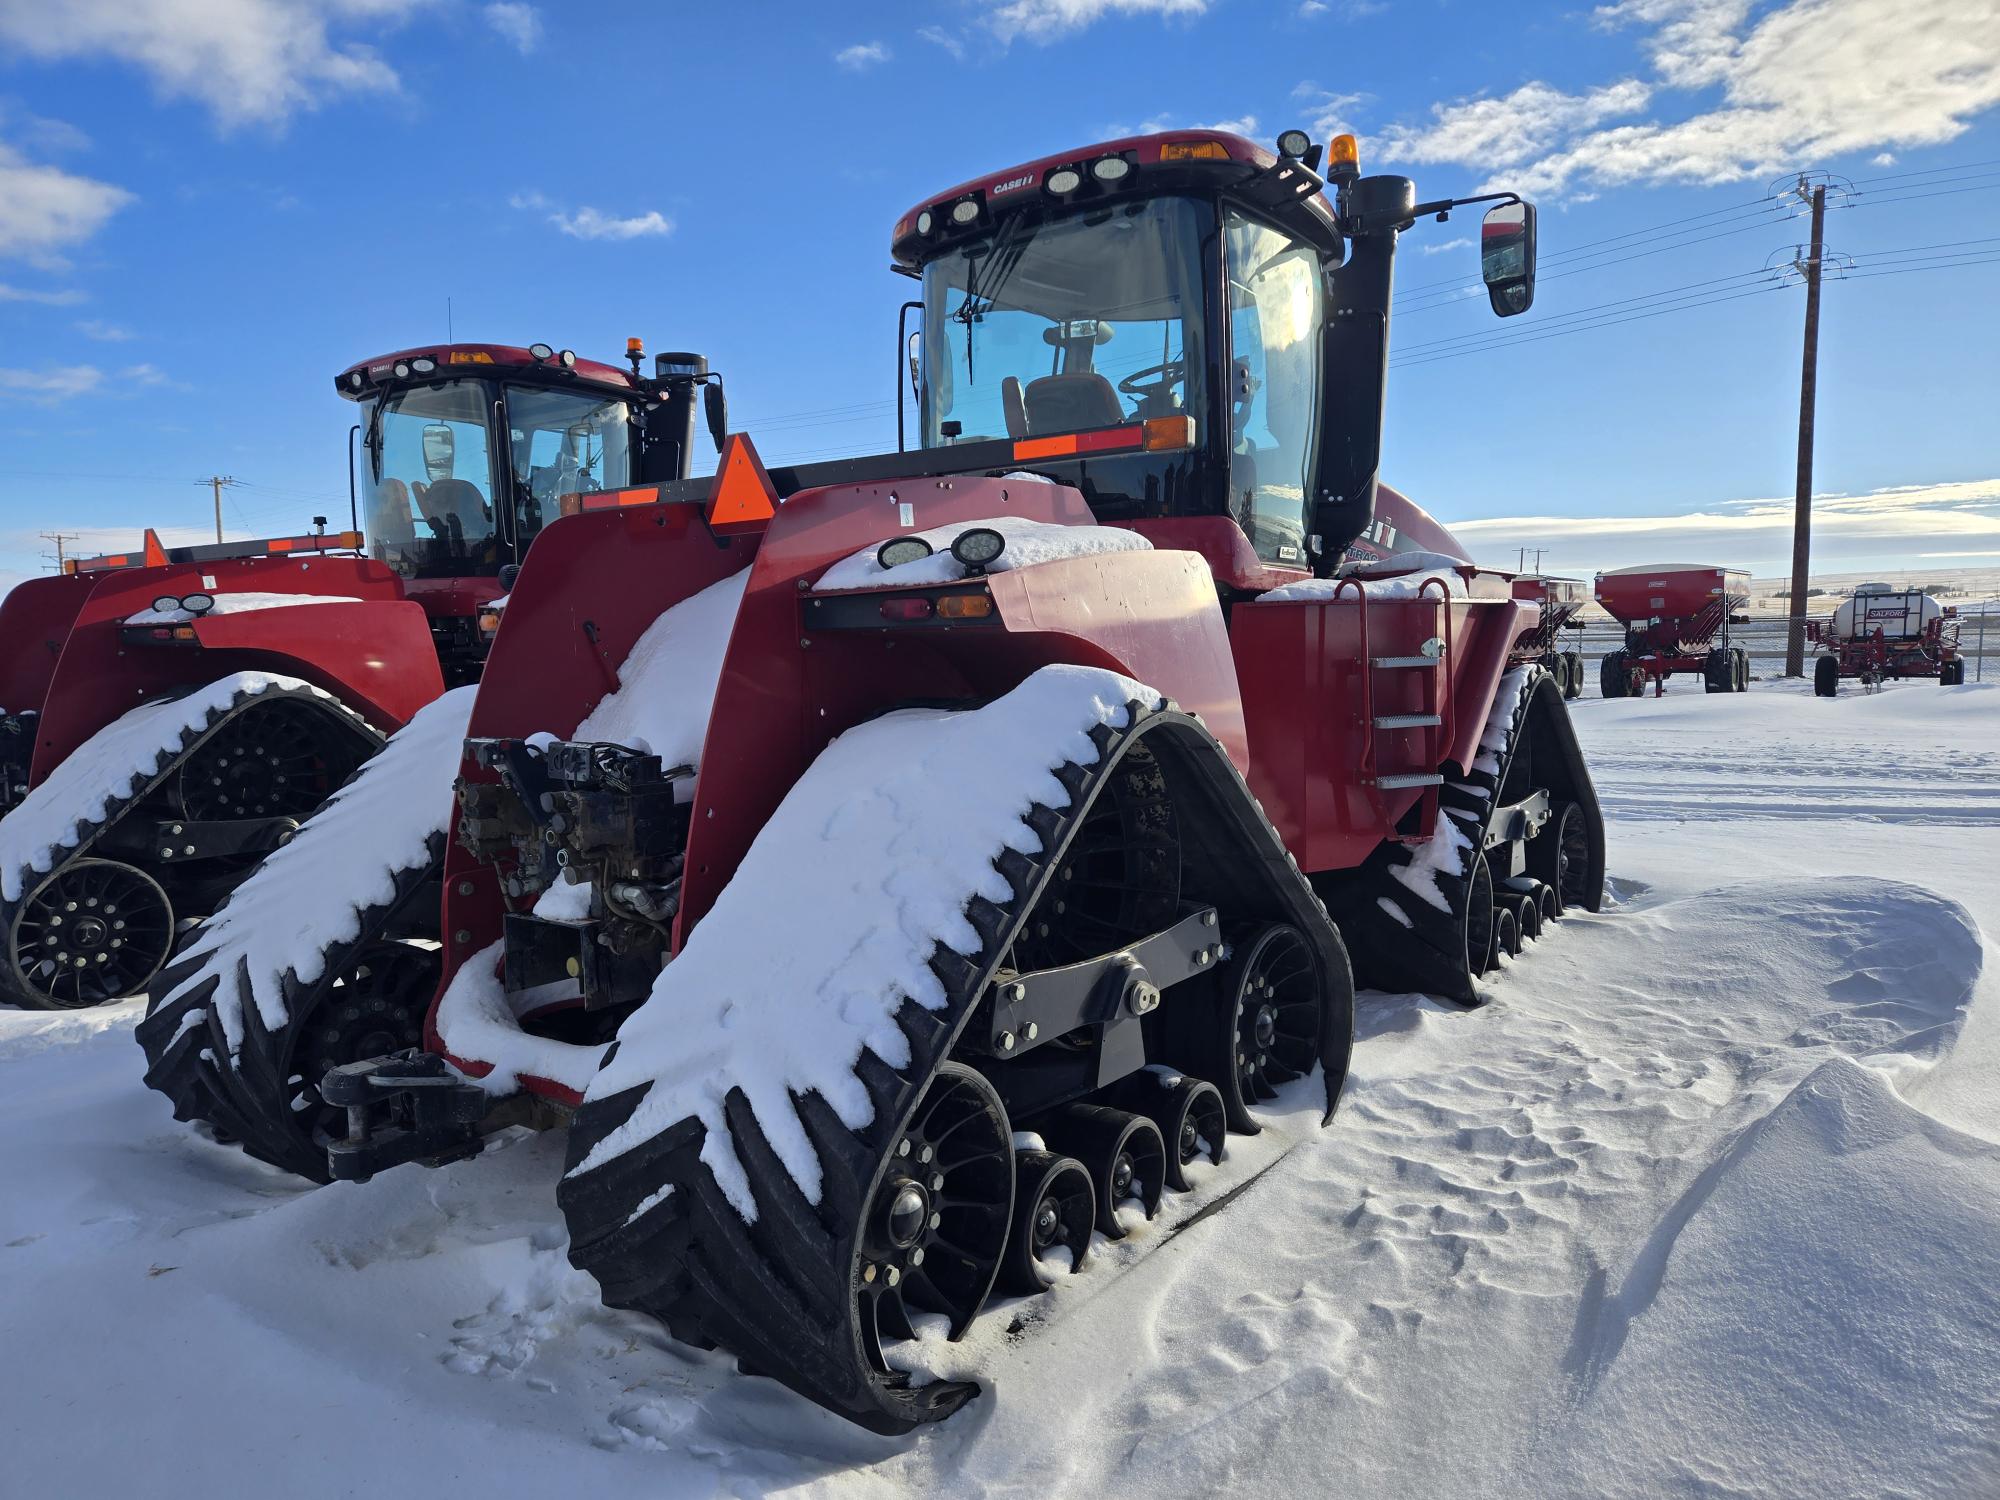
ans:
(1367, 675)
(1446, 699)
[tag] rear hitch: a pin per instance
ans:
(407, 1106)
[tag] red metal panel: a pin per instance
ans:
(35, 620)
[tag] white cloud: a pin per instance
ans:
(103, 332)
(49, 210)
(1885, 524)
(1242, 125)
(520, 26)
(937, 36)
(1329, 113)
(1801, 84)
(861, 56)
(151, 375)
(47, 387)
(591, 223)
(1045, 20)
(66, 297)
(245, 60)
(1882, 159)
(1439, 247)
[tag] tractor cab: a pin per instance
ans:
(463, 451)
(1188, 275)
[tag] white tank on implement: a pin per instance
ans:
(1900, 614)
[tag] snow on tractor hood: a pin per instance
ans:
(1028, 542)
(830, 922)
(235, 604)
(307, 896)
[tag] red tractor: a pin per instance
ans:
(171, 714)
(1882, 633)
(1677, 618)
(1560, 603)
(894, 871)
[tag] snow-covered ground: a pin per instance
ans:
(1705, 1202)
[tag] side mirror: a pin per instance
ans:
(716, 406)
(914, 351)
(1507, 257)
(440, 451)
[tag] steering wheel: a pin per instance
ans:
(1170, 373)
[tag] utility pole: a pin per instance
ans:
(58, 538)
(216, 483)
(1795, 637)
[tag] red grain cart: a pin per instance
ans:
(1881, 633)
(889, 809)
(1560, 603)
(1677, 618)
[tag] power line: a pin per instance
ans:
(57, 538)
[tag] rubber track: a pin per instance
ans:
(656, 1231)
(187, 1050)
(1426, 956)
(191, 740)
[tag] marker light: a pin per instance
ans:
(540, 352)
(1343, 151)
(1191, 151)
(978, 547)
(165, 604)
(964, 607)
(471, 357)
(910, 608)
(199, 604)
(1065, 180)
(423, 364)
(183, 632)
(899, 550)
(1110, 168)
(965, 211)
(1294, 144)
(924, 222)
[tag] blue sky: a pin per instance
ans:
(212, 206)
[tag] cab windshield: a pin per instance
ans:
(427, 481)
(1082, 322)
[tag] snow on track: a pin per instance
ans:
(1702, 1203)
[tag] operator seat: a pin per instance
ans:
(1071, 403)
(457, 500)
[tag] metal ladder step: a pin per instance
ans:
(1406, 721)
(1396, 781)
(1387, 663)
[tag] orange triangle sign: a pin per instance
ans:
(156, 555)
(744, 499)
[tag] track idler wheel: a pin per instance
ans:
(93, 932)
(1190, 1114)
(1055, 1208)
(1559, 857)
(934, 1230)
(1124, 1154)
(1481, 919)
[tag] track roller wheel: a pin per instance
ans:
(1124, 1154)
(1506, 936)
(1547, 907)
(934, 1230)
(1055, 1208)
(1190, 1115)
(1527, 917)
(95, 931)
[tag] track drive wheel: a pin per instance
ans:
(1826, 677)
(1055, 1209)
(1266, 1031)
(94, 931)
(1612, 680)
